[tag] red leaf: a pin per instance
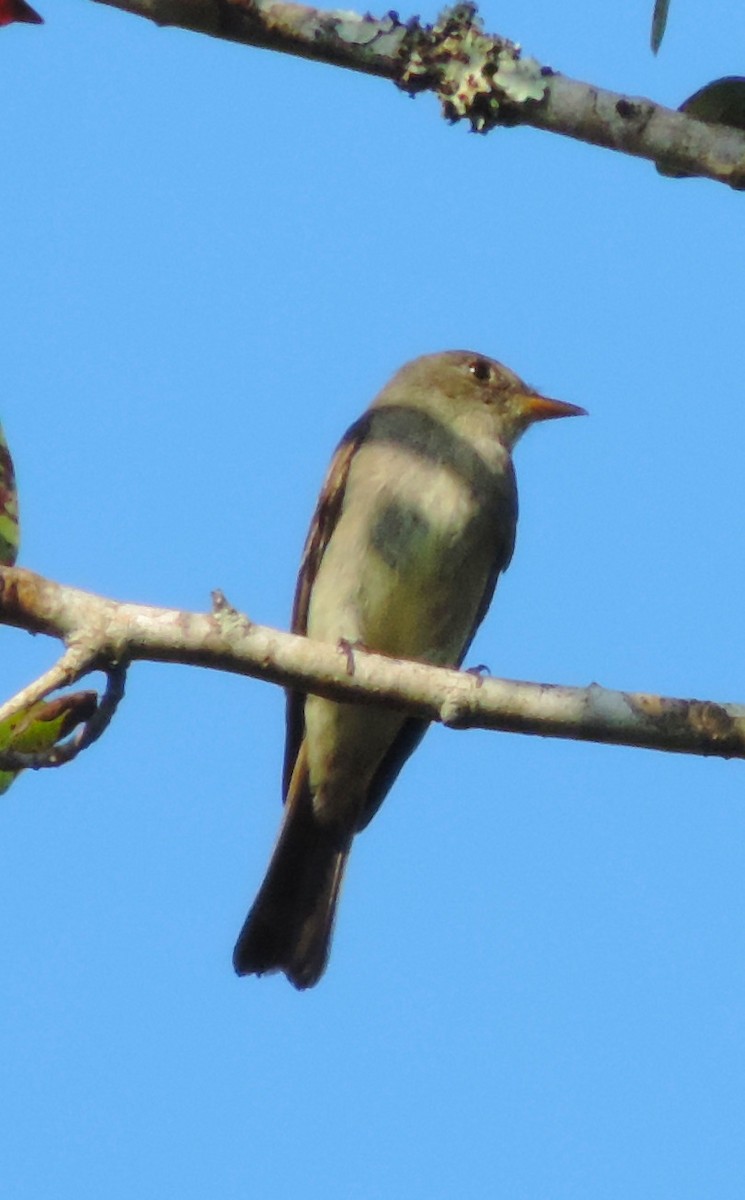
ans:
(18, 10)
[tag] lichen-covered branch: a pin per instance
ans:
(102, 633)
(478, 77)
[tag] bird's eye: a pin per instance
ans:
(480, 369)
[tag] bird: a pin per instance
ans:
(415, 522)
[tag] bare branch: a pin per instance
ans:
(479, 78)
(114, 633)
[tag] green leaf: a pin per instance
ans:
(659, 22)
(719, 103)
(42, 725)
(9, 534)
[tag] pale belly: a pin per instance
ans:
(407, 566)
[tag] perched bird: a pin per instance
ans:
(415, 521)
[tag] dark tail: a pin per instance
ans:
(290, 925)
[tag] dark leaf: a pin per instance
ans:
(659, 21)
(18, 10)
(719, 103)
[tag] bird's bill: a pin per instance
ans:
(541, 408)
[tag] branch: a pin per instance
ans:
(479, 78)
(103, 633)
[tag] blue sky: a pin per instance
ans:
(213, 258)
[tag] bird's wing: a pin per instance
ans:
(505, 528)
(321, 528)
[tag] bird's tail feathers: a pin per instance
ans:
(290, 924)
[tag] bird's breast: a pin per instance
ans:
(408, 562)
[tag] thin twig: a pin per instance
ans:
(68, 669)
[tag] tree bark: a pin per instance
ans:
(104, 634)
(481, 78)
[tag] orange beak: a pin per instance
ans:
(540, 408)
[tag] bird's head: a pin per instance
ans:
(462, 388)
